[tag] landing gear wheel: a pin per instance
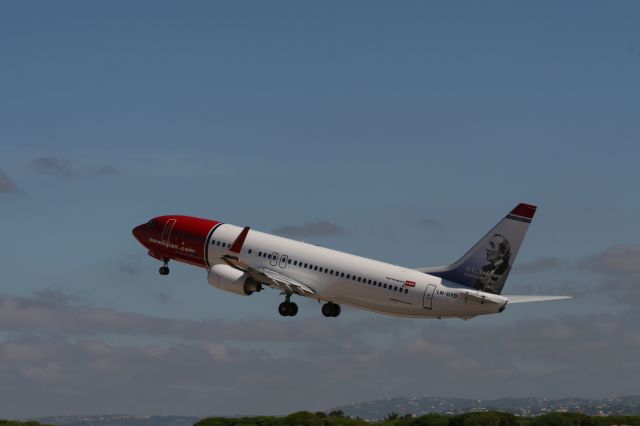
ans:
(330, 310)
(336, 310)
(283, 309)
(164, 270)
(293, 309)
(288, 309)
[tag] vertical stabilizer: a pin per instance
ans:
(487, 265)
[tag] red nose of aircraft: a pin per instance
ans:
(138, 232)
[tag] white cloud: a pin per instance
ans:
(537, 265)
(619, 267)
(74, 359)
(54, 166)
(6, 184)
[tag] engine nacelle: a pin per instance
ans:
(231, 279)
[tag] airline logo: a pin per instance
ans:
(409, 283)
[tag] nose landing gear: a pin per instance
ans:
(288, 308)
(164, 270)
(330, 309)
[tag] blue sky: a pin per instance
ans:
(412, 127)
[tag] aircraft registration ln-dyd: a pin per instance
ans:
(245, 261)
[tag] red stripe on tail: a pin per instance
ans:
(524, 210)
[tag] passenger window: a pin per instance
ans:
(395, 288)
(326, 270)
(342, 275)
(315, 268)
(348, 276)
(305, 265)
(249, 251)
(354, 278)
(289, 262)
(295, 263)
(406, 290)
(384, 286)
(359, 279)
(269, 257)
(369, 282)
(331, 272)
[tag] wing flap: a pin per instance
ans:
(286, 283)
(271, 278)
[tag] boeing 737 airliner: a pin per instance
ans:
(244, 261)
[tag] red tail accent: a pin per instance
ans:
(239, 242)
(524, 210)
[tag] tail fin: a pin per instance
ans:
(487, 265)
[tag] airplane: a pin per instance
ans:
(244, 261)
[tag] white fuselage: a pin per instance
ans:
(356, 281)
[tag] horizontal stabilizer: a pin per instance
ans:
(481, 298)
(532, 298)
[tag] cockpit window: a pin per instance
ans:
(151, 224)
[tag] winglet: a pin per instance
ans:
(239, 242)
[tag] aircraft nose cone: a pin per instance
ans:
(137, 232)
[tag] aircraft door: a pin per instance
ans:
(166, 232)
(283, 260)
(274, 259)
(427, 301)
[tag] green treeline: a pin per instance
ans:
(492, 418)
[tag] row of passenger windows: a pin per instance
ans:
(339, 274)
(221, 244)
(305, 265)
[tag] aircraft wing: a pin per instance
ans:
(264, 275)
(286, 284)
(526, 298)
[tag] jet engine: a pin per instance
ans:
(231, 279)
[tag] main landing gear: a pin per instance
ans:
(164, 270)
(288, 308)
(330, 309)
